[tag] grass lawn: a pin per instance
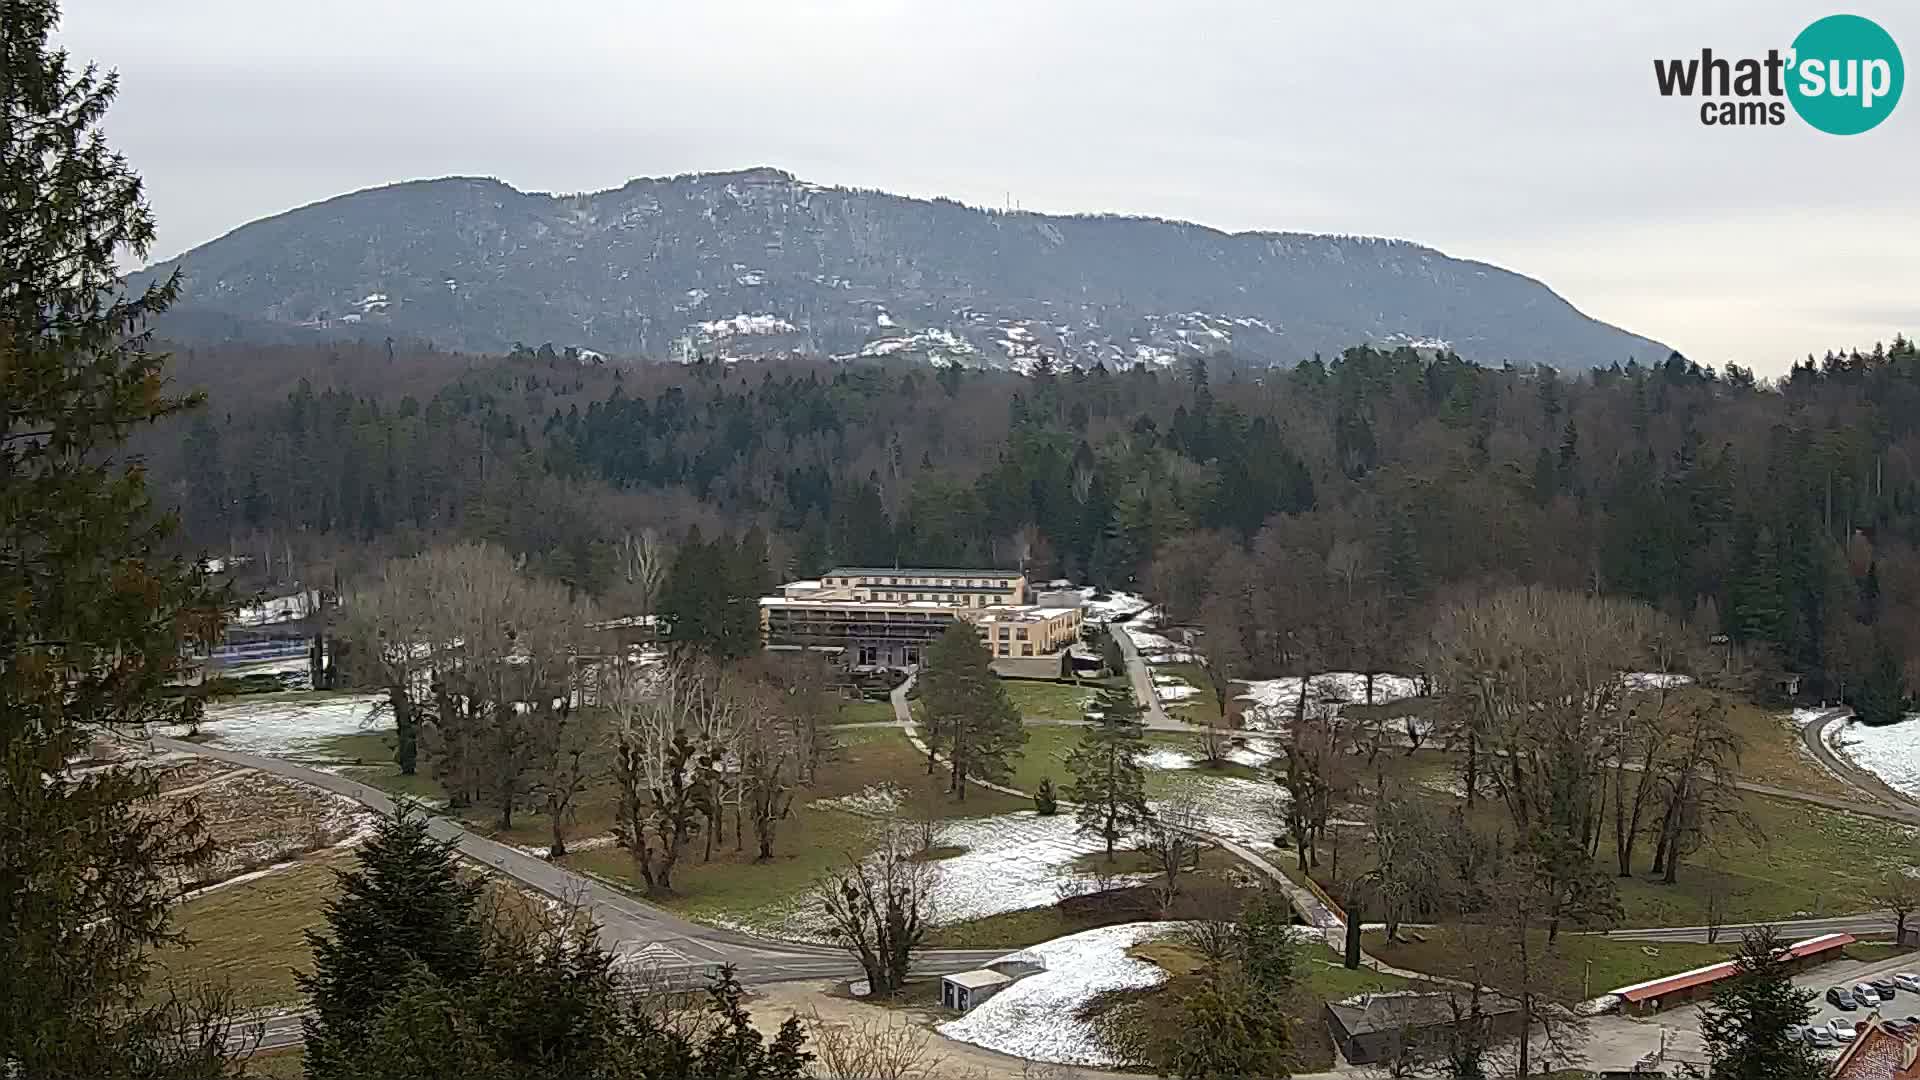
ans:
(388, 779)
(1870, 951)
(1207, 895)
(1801, 860)
(1808, 859)
(249, 935)
(1774, 754)
(1048, 701)
(1201, 708)
(1048, 745)
(1562, 969)
(289, 1063)
(359, 748)
(865, 712)
(814, 839)
(1138, 1020)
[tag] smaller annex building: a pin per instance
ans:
(1372, 1028)
(964, 990)
(1642, 999)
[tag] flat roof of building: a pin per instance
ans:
(1400, 1009)
(914, 571)
(974, 980)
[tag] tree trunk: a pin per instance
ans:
(406, 751)
(1473, 770)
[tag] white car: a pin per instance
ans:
(1866, 995)
(1842, 1029)
(1907, 981)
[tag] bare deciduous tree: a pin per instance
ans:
(657, 764)
(1534, 676)
(1172, 845)
(643, 561)
(880, 908)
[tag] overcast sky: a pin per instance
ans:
(1527, 134)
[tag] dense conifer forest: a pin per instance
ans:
(1784, 515)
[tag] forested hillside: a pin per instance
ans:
(1303, 506)
(758, 263)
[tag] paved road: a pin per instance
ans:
(629, 928)
(1141, 675)
(1867, 924)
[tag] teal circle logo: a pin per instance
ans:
(1846, 75)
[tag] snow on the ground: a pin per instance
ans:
(1156, 648)
(278, 609)
(744, 324)
(1891, 751)
(280, 727)
(1011, 862)
(1655, 680)
(875, 800)
(1166, 757)
(1114, 606)
(1247, 811)
(1273, 700)
(1038, 1018)
(1254, 755)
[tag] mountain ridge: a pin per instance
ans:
(755, 261)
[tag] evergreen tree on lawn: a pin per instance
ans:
(94, 621)
(402, 913)
(1883, 698)
(969, 717)
(1747, 1026)
(1109, 788)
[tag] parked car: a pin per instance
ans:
(1841, 998)
(1865, 994)
(1884, 987)
(1895, 1025)
(1906, 980)
(1818, 1036)
(1842, 1028)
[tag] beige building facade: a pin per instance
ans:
(877, 617)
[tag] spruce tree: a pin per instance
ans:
(403, 912)
(1109, 787)
(969, 717)
(94, 620)
(1747, 1027)
(1883, 697)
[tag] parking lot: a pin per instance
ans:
(1850, 972)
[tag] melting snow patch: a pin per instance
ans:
(876, 800)
(1274, 700)
(1114, 606)
(1655, 680)
(1167, 758)
(1038, 1017)
(1890, 751)
(744, 324)
(285, 728)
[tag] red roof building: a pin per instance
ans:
(1656, 994)
(1878, 1054)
